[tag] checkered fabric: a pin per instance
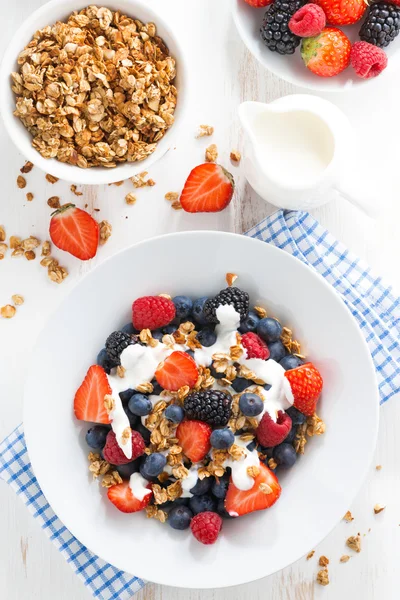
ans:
(372, 303)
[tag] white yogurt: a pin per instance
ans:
(119, 424)
(229, 321)
(190, 481)
(240, 477)
(138, 485)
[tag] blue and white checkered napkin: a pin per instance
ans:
(371, 302)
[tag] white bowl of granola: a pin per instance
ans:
(316, 493)
(93, 97)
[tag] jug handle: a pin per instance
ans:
(365, 205)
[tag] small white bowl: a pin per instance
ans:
(248, 21)
(315, 493)
(58, 10)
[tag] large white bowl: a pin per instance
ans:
(47, 15)
(248, 21)
(316, 492)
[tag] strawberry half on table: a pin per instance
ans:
(209, 188)
(75, 231)
(264, 493)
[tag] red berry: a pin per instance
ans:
(209, 188)
(368, 60)
(327, 54)
(259, 3)
(306, 384)
(206, 527)
(255, 346)
(122, 497)
(75, 231)
(89, 399)
(342, 12)
(113, 453)
(194, 439)
(152, 312)
(239, 502)
(308, 21)
(177, 370)
(269, 433)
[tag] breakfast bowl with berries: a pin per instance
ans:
(327, 45)
(201, 414)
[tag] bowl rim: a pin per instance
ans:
(92, 175)
(318, 86)
(359, 477)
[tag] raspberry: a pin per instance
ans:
(308, 21)
(152, 312)
(113, 453)
(255, 346)
(367, 60)
(206, 526)
(271, 434)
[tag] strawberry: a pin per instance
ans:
(239, 502)
(89, 399)
(194, 439)
(122, 497)
(306, 384)
(342, 12)
(209, 188)
(327, 54)
(177, 370)
(75, 231)
(259, 3)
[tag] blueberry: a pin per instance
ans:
(126, 395)
(221, 510)
(219, 487)
(250, 322)
(157, 334)
(251, 405)
(198, 310)
(179, 517)
(104, 361)
(129, 328)
(222, 439)
(96, 436)
(169, 329)
(143, 472)
(133, 419)
(267, 386)
(240, 384)
(207, 337)
(140, 405)
(202, 486)
(297, 417)
(292, 434)
(290, 362)
(285, 455)
(268, 452)
(269, 329)
(144, 432)
(154, 464)
(126, 471)
(204, 503)
(183, 306)
(174, 413)
(277, 351)
(181, 502)
(190, 352)
(250, 447)
(216, 375)
(157, 389)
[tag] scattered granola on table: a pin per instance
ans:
(74, 190)
(141, 181)
(29, 196)
(310, 554)
(354, 542)
(21, 182)
(235, 156)
(54, 202)
(27, 168)
(51, 178)
(204, 131)
(323, 561)
(171, 196)
(105, 231)
(348, 517)
(106, 95)
(7, 311)
(211, 153)
(344, 558)
(323, 577)
(130, 199)
(17, 299)
(378, 508)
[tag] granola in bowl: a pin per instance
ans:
(96, 90)
(196, 406)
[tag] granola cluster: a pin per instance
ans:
(96, 90)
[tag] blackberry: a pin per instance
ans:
(382, 24)
(275, 32)
(211, 406)
(116, 343)
(231, 295)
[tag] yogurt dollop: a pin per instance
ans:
(240, 477)
(138, 485)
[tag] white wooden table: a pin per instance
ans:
(224, 74)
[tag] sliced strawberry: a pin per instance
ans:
(306, 384)
(209, 188)
(177, 370)
(239, 502)
(75, 231)
(194, 439)
(122, 497)
(89, 399)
